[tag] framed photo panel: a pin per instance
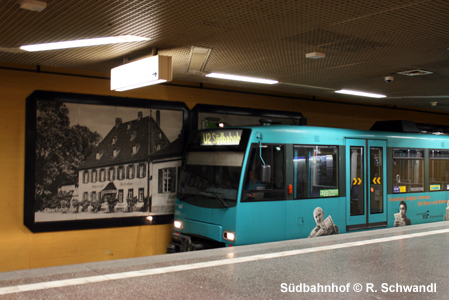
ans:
(99, 161)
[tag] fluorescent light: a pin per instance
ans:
(358, 93)
(33, 5)
(83, 43)
(241, 78)
(315, 55)
(147, 71)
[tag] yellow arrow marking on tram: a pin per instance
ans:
(377, 180)
(357, 181)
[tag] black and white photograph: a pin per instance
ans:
(102, 161)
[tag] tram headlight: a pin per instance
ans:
(229, 236)
(178, 224)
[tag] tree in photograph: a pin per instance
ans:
(60, 148)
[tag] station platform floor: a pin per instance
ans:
(410, 262)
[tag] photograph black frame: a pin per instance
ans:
(296, 118)
(30, 158)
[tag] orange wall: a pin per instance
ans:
(21, 249)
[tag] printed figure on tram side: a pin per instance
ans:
(400, 219)
(323, 226)
(446, 217)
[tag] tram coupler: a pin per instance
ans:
(182, 243)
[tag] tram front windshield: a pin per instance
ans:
(212, 168)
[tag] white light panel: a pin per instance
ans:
(83, 43)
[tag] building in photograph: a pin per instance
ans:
(119, 170)
(165, 166)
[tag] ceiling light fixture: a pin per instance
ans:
(143, 72)
(83, 43)
(415, 72)
(358, 93)
(241, 78)
(198, 59)
(315, 55)
(33, 5)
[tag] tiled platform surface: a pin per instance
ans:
(410, 262)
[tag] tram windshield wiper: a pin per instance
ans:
(216, 195)
(222, 201)
(202, 194)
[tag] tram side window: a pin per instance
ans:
(408, 170)
(254, 189)
(316, 171)
(439, 170)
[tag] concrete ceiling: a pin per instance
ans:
(363, 42)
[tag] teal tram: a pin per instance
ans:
(266, 183)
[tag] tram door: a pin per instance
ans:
(366, 189)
